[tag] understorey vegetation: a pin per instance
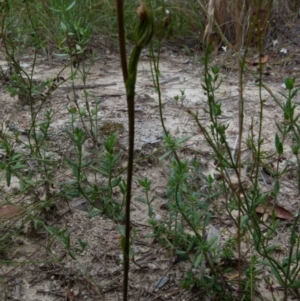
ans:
(231, 211)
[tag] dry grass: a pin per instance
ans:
(242, 23)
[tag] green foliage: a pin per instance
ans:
(180, 97)
(146, 186)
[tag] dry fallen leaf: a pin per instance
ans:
(233, 277)
(261, 60)
(9, 211)
(280, 212)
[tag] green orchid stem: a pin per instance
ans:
(143, 35)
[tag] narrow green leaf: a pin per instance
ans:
(141, 200)
(8, 177)
(63, 26)
(116, 182)
(198, 260)
(121, 230)
(244, 220)
(94, 212)
(83, 244)
(71, 5)
(183, 139)
(276, 187)
(72, 254)
(224, 163)
(86, 164)
(278, 145)
(272, 248)
(16, 156)
(166, 155)
(19, 166)
(277, 275)
(211, 244)
(295, 284)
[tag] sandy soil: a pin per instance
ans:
(41, 269)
